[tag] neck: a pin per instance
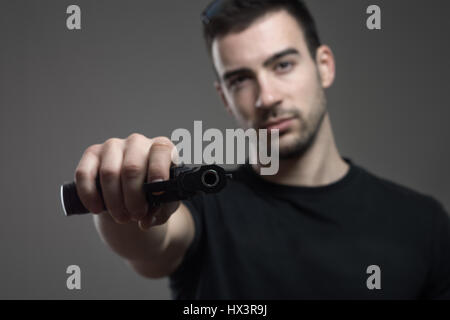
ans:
(320, 165)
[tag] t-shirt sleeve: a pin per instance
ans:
(183, 278)
(439, 281)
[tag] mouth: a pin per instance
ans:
(281, 124)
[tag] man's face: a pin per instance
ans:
(268, 80)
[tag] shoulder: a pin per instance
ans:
(398, 195)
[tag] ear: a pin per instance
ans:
(222, 96)
(326, 65)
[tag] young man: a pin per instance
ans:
(321, 228)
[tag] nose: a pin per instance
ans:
(267, 94)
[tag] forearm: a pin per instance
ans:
(130, 242)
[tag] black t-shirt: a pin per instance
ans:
(260, 240)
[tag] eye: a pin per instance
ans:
(237, 81)
(284, 66)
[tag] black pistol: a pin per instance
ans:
(184, 182)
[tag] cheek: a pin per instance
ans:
(242, 114)
(303, 88)
(243, 103)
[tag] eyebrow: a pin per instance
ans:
(268, 61)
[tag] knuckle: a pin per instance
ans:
(162, 142)
(108, 173)
(112, 142)
(136, 136)
(81, 175)
(131, 171)
(93, 149)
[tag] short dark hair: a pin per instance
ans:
(224, 16)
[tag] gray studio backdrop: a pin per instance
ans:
(141, 66)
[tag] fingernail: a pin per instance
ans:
(142, 226)
(120, 220)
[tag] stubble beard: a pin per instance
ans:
(307, 131)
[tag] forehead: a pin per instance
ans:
(270, 33)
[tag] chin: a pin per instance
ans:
(292, 146)
(288, 144)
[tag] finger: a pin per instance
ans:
(85, 175)
(110, 167)
(159, 160)
(134, 174)
(165, 212)
(160, 216)
(147, 221)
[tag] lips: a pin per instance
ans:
(280, 124)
